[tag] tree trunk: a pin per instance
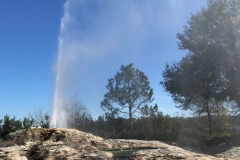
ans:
(237, 100)
(130, 118)
(209, 121)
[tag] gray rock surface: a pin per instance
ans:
(170, 152)
(41, 143)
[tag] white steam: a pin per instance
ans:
(97, 37)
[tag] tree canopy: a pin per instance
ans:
(128, 91)
(210, 72)
(212, 38)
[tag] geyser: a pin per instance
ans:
(97, 37)
(59, 117)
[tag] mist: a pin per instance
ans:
(97, 37)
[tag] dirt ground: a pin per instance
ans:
(225, 151)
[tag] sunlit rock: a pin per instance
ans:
(61, 143)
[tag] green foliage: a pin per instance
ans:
(149, 111)
(27, 123)
(128, 91)
(160, 127)
(153, 125)
(9, 125)
(209, 75)
(212, 40)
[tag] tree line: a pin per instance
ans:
(151, 124)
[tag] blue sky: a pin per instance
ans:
(94, 38)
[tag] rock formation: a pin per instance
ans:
(42, 143)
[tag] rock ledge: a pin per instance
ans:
(60, 143)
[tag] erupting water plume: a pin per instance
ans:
(97, 37)
(59, 118)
